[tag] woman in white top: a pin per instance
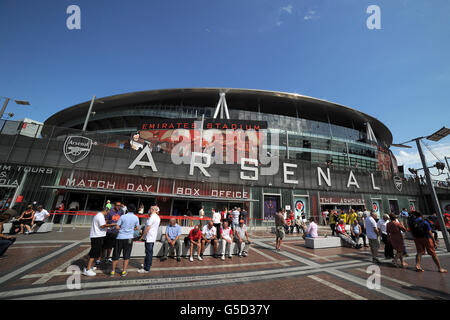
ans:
(227, 240)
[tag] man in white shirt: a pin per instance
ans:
(241, 238)
(227, 240)
(39, 218)
(372, 234)
(311, 232)
(235, 214)
(97, 235)
(381, 225)
(149, 235)
(216, 217)
(209, 236)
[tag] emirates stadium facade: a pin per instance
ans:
(162, 146)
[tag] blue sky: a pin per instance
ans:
(320, 48)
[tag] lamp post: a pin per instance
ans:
(5, 104)
(90, 112)
(437, 136)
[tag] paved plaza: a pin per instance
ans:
(35, 267)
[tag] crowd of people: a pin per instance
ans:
(114, 229)
(365, 225)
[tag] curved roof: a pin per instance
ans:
(273, 102)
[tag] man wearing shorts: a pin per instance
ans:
(372, 234)
(124, 241)
(209, 236)
(280, 222)
(424, 240)
(97, 235)
(111, 234)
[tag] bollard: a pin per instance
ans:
(61, 224)
(75, 222)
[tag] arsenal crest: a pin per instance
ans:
(398, 183)
(299, 206)
(76, 148)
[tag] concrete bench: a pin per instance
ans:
(7, 227)
(45, 227)
(322, 242)
(138, 250)
(328, 242)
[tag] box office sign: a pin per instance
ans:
(215, 190)
(342, 201)
(103, 181)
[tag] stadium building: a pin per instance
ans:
(211, 147)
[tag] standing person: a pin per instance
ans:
(227, 240)
(423, 239)
(404, 215)
(333, 220)
(124, 208)
(352, 216)
(372, 234)
(381, 225)
(311, 232)
(124, 241)
(280, 222)
(209, 236)
(149, 235)
(366, 213)
(241, 237)
(191, 221)
(194, 239)
(74, 206)
(111, 234)
(224, 214)
(363, 230)
(244, 215)
(292, 219)
(201, 214)
(325, 214)
(394, 231)
(108, 204)
(216, 217)
(97, 235)
(39, 218)
(235, 214)
(5, 241)
(172, 239)
(343, 216)
(141, 211)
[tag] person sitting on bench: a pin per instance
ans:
(194, 239)
(172, 239)
(340, 231)
(39, 218)
(5, 241)
(209, 236)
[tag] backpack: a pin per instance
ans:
(418, 228)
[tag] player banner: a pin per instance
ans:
(301, 206)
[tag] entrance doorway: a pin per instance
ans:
(393, 206)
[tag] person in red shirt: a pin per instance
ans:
(194, 238)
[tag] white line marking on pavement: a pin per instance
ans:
(47, 276)
(337, 288)
(63, 273)
(307, 253)
(32, 247)
(288, 254)
(37, 262)
(282, 262)
(362, 282)
(151, 281)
